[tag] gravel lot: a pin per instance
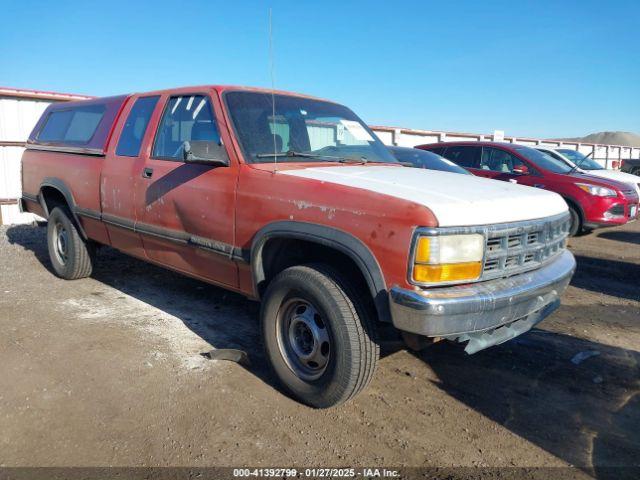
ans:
(108, 371)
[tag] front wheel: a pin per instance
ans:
(318, 337)
(576, 222)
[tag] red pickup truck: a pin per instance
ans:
(295, 202)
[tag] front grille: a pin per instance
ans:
(616, 211)
(522, 246)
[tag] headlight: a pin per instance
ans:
(447, 258)
(597, 191)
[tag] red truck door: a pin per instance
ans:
(185, 211)
(122, 164)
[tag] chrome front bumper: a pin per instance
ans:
(478, 311)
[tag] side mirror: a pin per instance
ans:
(521, 170)
(205, 152)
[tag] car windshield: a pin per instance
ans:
(423, 159)
(543, 160)
(288, 128)
(581, 161)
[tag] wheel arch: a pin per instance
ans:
(52, 189)
(326, 237)
(576, 205)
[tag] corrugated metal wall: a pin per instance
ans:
(17, 118)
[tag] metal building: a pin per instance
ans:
(19, 111)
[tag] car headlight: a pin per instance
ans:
(447, 258)
(596, 190)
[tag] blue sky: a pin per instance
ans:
(560, 68)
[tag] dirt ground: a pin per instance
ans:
(108, 371)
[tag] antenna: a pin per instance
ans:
(273, 96)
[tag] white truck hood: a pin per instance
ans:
(455, 199)
(631, 180)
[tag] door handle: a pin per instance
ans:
(147, 172)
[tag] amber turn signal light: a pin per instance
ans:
(451, 272)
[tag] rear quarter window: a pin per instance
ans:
(74, 126)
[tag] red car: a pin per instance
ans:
(593, 201)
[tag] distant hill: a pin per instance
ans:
(609, 138)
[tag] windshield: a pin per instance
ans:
(424, 159)
(582, 161)
(543, 160)
(302, 129)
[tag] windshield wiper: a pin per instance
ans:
(577, 166)
(293, 153)
(353, 160)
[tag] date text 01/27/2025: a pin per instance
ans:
(315, 472)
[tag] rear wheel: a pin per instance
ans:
(71, 256)
(319, 338)
(576, 222)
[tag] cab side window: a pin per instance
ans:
(465, 156)
(498, 160)
(135, 127)
(186, 118)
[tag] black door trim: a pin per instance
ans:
(176, 236)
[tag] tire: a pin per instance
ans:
(319, 338)
(71, 256)
(576, 222)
